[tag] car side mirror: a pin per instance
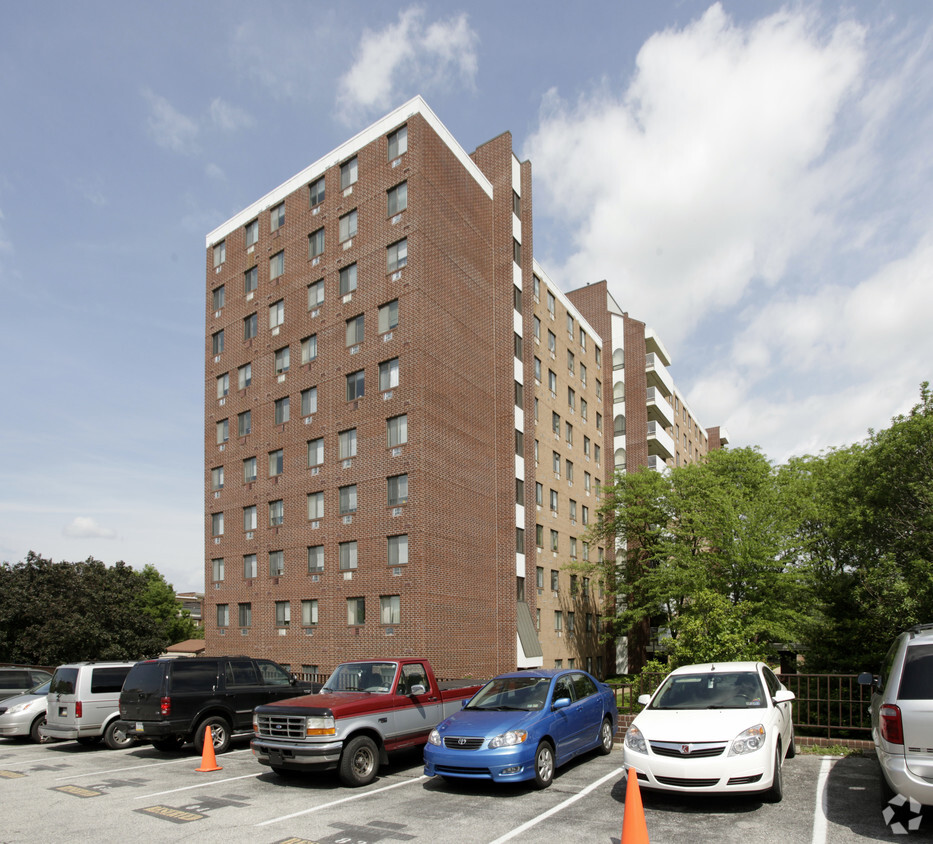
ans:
(561, 703)
(418, 689)
(783, 696)
(866, 678)
(644, 700)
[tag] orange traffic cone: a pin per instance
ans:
(209, 760)
(634, 828)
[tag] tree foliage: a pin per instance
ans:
(52, 613)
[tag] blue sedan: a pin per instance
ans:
(523, 725)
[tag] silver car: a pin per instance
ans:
(902, 714)
(24, 714)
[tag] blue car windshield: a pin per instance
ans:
(710, 690)
(522, 693)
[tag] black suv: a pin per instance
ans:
(170, 701)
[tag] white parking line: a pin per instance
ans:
(356, 796)
(559, 807)
(188, 759)
(199, 785)
(819, 810)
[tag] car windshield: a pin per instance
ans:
(523, 693)
(374, 677)
(710, 690)
(41, 689)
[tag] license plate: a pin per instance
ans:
(139, 726)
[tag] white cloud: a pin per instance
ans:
(711, 171)
(169, 128)
(406, 57)
(84, 527)
(228, 117)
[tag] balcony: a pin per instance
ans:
(659, 408)
(657, 373)
(657, 464)
(660, 442)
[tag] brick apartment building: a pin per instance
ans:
(406, 426)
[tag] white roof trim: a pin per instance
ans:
(416, 105)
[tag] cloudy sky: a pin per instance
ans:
(753, 180)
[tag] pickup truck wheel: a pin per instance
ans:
(220, 734)
(166, 745)
(605, 737)
(544, 765)
(359, 762)
(117, 739)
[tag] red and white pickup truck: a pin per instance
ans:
(365, 710)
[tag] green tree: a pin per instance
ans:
(159, 602)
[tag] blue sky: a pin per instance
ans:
(753, 180)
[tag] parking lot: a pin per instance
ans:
(65, 791)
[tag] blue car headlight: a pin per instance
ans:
(508, 739)
(434, 738)
(748, 741)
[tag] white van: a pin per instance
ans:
(83, 703)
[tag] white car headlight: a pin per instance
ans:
(634, 740)
(22, 707)
(434, 738)
(748, 741)
(508, 739)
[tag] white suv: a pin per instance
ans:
(902, 714)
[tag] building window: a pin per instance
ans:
(283, 613)
(397, 199)
(277, 313)
(586, 515)
(586, 481)
(398, 142)
(539, 536)
(347, 499)
(276, 462)
(570, 361)
(249, 470)
(316, 192)
(571, 398)
(348, 173)
(397, 490)
(570, 326)
(220, 253)
(223, 385)
(277, 217)
(348, 556)
(519, 540)
(218, 297)
(223, 431)
(573, 508)
(276, 265)
(555, 423)
(397, 430)
(250, 326)
(316, 243)
(555, 580)
(539, 494)
(554, 541)
(519, 394)
(309, 401)
(250, 279)
(249, 518)
(516, 204)
(389, 609)
(223, 615)
(388, 374)
(245, 376)
(309, 349)
(245, 615)
(217, 524)
(316, 452)
(315, 558)
(583, 374)
(553, 500)
(569, 434)
(252, 233)
(388, 316)
(516, 252)
(355, 330)
(282, 360)
(397, 255)
(551, 303)
(558, 621)
(217, 478)
(398, 550)
(346, 444)
(315, 505)
(536, 327)
(573, 556)
(347, 226)
(316, 294)
(356, 611)
(276, 513)
(519, 443)
(276, 563)
(249, 566)
(217, 569)
(519, 491)
(309, 612)
(281, 411)
(584, 409)
(517, 344)
(217, 342)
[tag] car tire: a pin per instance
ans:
(776, 793)
(88, 741)
(168, 744)
(116, 739)
(220, 734)
(359, 762)
(792, 746)
(606, 737)
(34, 729)
(544, 765)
